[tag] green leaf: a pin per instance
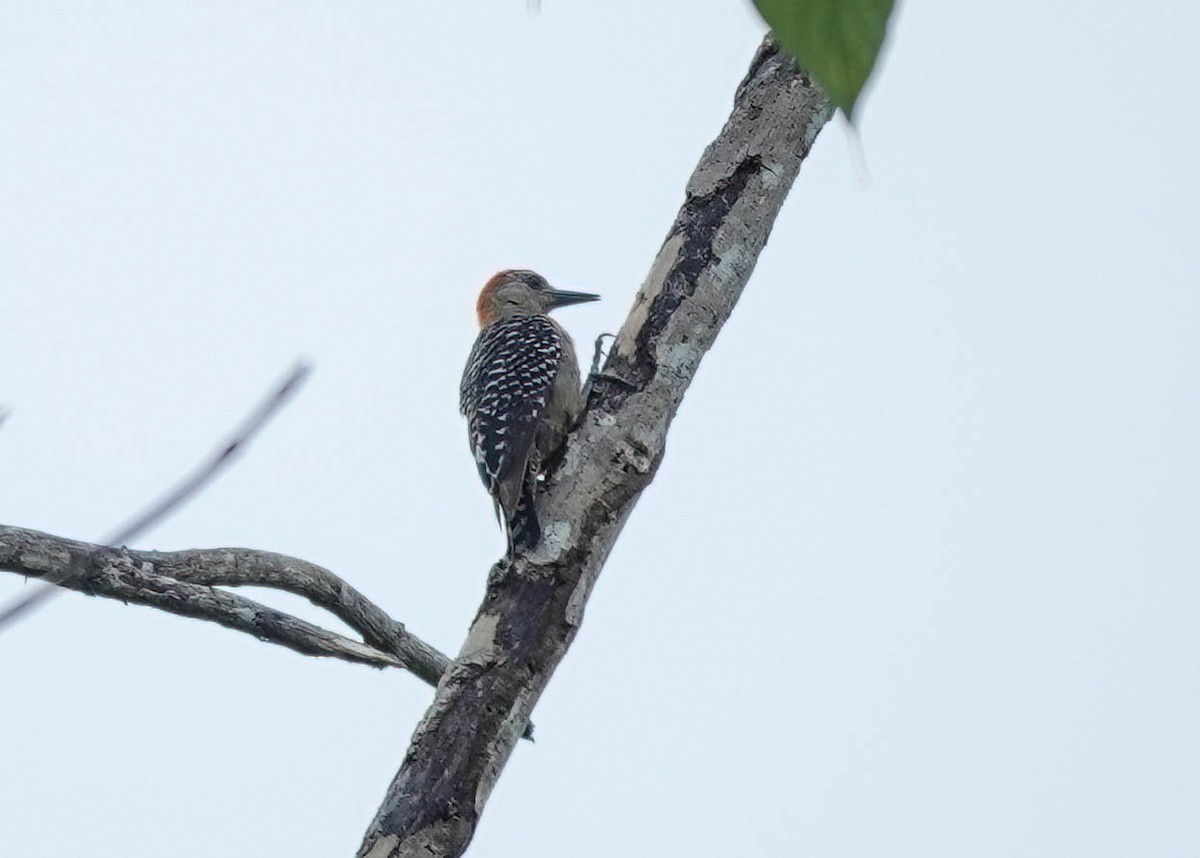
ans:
(836, 41)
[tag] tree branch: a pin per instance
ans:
(185, 582)
(186, 489)
(534, 606)
(235, 567)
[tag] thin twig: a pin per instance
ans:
(185, 490)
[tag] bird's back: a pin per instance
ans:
(510, 377)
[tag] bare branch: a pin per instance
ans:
(186, 489)
(183, 582)
(534, 606)
(113, 573)
(234, 567)
(221, 457)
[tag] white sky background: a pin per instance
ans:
(918, 576)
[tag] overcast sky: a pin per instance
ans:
(918, 575)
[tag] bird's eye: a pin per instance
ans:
(512, 301)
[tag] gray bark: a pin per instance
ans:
(534, 605)
(185, 582)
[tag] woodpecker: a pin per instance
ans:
(520, 393)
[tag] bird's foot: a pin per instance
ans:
(598, 354)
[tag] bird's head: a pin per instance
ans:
(519, 292)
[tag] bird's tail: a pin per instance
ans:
(524, 532)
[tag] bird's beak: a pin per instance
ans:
(561, 298)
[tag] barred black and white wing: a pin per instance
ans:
(509, 378)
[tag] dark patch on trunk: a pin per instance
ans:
(529, 632)
(698, 222)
